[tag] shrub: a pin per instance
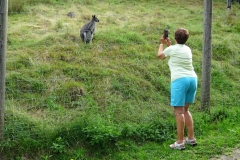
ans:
(15, 6)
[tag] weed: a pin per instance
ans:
(47, 157)
(58, 146)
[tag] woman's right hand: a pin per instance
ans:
(168, 41)
(162, 40)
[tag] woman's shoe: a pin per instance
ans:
(177, 146)
(192, 142)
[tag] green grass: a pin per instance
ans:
(110, 99)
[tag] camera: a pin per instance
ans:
(165, 34)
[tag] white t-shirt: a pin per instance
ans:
(180, 61)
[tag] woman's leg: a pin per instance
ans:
(188, 122)
(180, 121)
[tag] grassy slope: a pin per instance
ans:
(55, 79)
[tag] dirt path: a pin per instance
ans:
(235, 155)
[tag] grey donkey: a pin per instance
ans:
(88, 30)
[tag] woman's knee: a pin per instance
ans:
(178, 110)
(186, 107)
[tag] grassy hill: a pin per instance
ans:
(110, 99)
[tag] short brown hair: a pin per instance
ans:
(181, 35)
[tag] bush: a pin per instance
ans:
(15, 6)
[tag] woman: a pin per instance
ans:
(183, 84)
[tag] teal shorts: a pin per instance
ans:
(183, 90)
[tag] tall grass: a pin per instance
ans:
(110, 99)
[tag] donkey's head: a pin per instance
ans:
(94, 18)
